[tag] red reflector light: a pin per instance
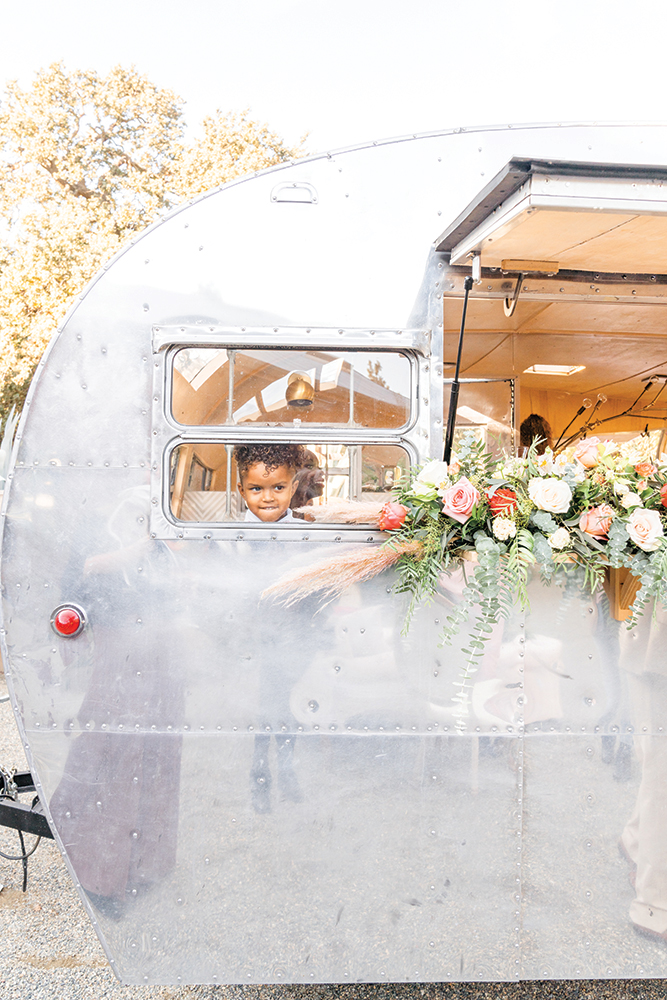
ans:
(67, 620)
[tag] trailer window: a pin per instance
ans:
(287, 387)
(332, 472)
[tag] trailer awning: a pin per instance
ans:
(549, 216)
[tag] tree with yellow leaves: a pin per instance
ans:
(86, 162)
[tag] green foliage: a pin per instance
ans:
(618, 540)
(6, 445)
(570, 522)
(544, 521)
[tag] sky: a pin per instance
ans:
(349, 71)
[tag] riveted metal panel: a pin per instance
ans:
(248, 793)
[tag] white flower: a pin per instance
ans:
(621, 487)
(559, 539)
(645, 529)
(513, 467)
(560, 463)
(434, 474)
(504, 528)
(544, 463)
(631, 499)
(553, 495)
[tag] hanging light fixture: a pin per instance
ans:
(300, 390)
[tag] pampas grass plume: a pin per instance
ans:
(332, 576)
(344, 511)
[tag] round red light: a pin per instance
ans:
(67, 621)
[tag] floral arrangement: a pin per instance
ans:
(595, 506)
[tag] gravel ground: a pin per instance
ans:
(50, 952)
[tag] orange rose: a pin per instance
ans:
(392, 516)
(645, 469)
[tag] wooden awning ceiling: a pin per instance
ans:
(597, 237)
(605, 218)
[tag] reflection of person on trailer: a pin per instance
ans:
(644, 838)
(116, 805)
(267, 482)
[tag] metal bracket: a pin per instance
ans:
(509, 305)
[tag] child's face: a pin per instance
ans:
(268, 493)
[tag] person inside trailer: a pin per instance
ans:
(535, 426)
(267, 479)
(310, 485)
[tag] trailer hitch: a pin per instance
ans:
(19, 816)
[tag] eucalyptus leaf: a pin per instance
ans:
(543, 520)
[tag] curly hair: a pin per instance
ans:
(535, 426)
(269, 455)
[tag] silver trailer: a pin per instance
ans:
(249, 793)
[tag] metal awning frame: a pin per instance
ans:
(567, 286)
(527, 186)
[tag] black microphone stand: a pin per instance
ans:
(454, 392)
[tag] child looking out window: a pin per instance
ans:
(267, 479)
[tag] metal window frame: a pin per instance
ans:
(421, 437)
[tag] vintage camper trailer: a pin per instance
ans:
(250, 793)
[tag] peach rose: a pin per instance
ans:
(645, 529)
(553, 495)
(459, 500)
(597, 520)
(645, 469)
(587, 452)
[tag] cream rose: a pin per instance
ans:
(631, 499)
(459, 500)
(559, 539)
(553, 495)
(645, 529)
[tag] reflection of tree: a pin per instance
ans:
(373, 371)
(87, 162)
